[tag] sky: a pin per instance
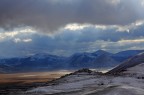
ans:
(65, 27)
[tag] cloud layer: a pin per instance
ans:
(50, 15)
(88, 39)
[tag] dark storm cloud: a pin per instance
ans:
(54, 14)
(92, 34)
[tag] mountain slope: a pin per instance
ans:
(6, 69)
(97, 59)
(138, 59)
(38, 62)
(136, 71)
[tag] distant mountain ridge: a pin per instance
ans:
(123, 55)
(97, 59)
(46, 62)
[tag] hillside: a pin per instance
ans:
(83, 83)
(136, 60)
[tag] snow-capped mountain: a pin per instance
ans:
(97, 59)
(38, 62)
(101, 52)
(44, 61)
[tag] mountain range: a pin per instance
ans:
(47, 62)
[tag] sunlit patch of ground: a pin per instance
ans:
(31, 77)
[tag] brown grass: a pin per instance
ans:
(31, 77)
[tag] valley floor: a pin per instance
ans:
(22, 81)
(31, 77)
